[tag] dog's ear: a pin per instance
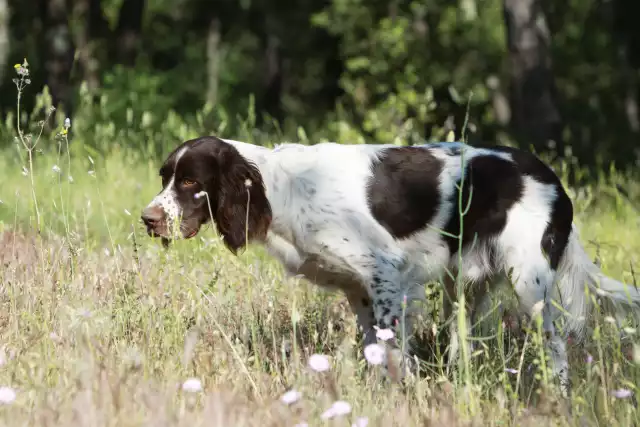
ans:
(243, 212)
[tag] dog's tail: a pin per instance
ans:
(577, 274)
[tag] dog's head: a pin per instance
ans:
(208, 179)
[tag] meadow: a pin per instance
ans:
(101, 326)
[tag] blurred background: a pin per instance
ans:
(559, 76)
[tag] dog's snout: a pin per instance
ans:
(152, 215)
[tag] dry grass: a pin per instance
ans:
(101, 326)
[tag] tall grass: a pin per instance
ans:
(99, 325)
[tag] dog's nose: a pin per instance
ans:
(152, 215)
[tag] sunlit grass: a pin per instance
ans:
(99, 325)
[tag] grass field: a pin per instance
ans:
(100, 326)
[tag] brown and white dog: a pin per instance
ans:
(380, 221)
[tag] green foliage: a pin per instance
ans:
(396, 53)
(398, 72)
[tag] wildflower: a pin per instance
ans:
(622, 393)
(200, 194)
(292, 396)
(610, 319)
(374, 353)
(92, 173)
(384, 334)
(67, 123)
(361, 422)
(319, 363)
(339, 407)
(25, 172)
(7, 395)
(511, 370)
(192, 385)
(56, 169)
(589, 358)
(21, 70)
(70, 178)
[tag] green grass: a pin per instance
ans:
(99, 325)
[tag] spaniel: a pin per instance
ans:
(380, 221)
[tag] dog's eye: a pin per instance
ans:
(188, 182)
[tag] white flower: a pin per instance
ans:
(385, 334)
(25, 172)
(361, 422)
(56, 169)
(67, 123)
(70, 178)
(319, 363)
(7, 395)
(192, 385)
(374, 353)
(339, 407)
(290, 397)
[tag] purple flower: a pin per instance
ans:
(589, 358)
(290, 397)
(384, 334)
(511, 370)
(622, 393)
(374, 353)
(319, 363)
(7, 395)
(361, 422)
(339, 407)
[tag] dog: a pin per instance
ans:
(379, 221)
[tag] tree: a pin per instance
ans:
(59, 51)
(535, 117)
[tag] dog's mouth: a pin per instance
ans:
(192, 233)
(187, 234)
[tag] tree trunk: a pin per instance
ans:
(91, 32)
(59, 53)
(627, 33)
(273, 79)
(535, 118)
(4, 37)
(213, 61)
(129, 31)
